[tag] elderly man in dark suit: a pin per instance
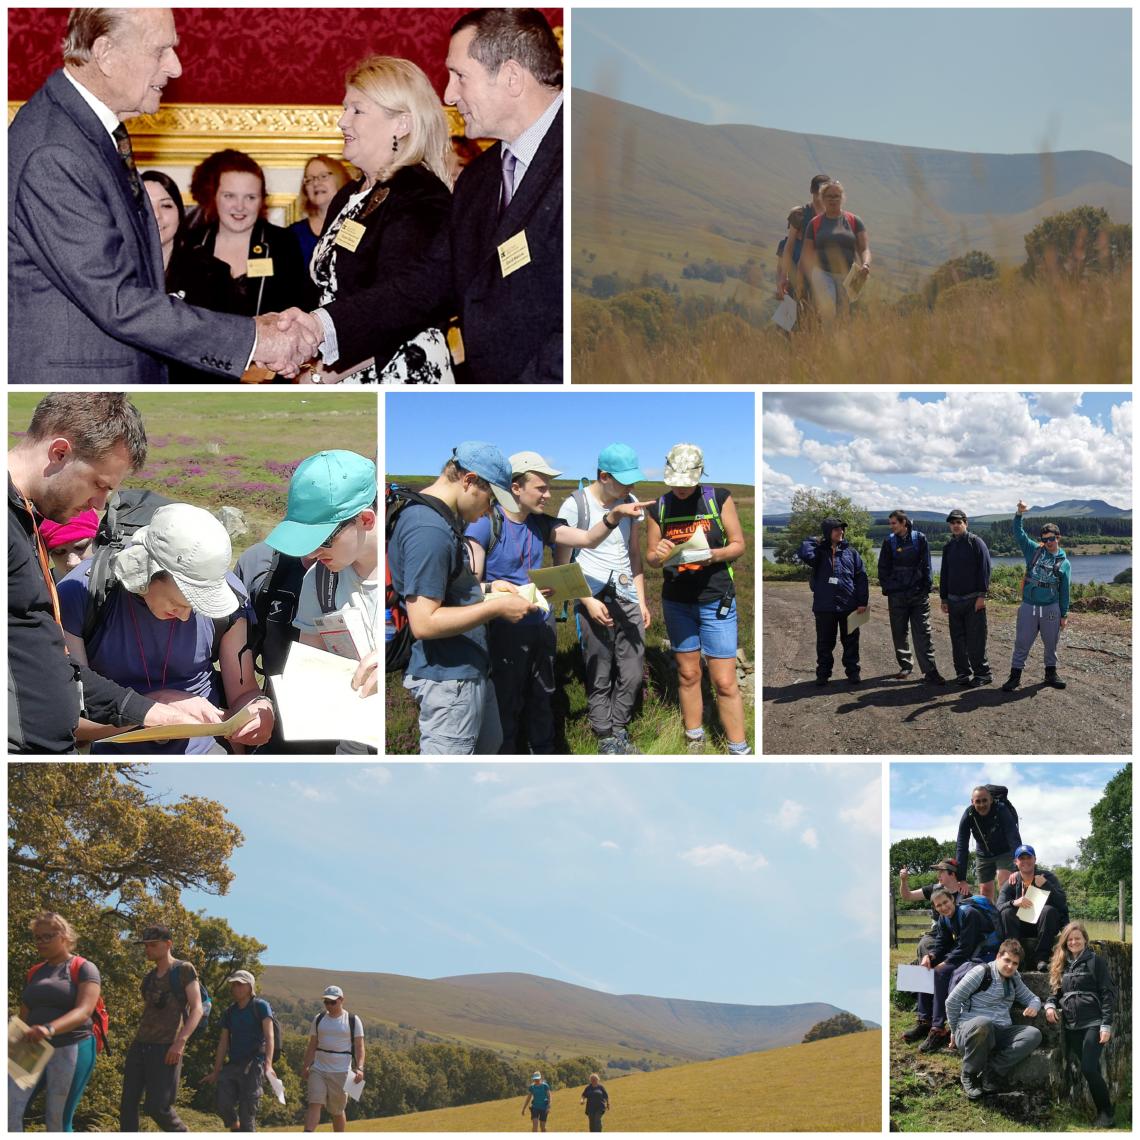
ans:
(86, 299)
(498, 262)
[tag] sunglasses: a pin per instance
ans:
(333, 537)
(331, 1001)
(1050, 538)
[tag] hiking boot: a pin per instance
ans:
(1013, 682)
(935, 678)
(694, 746)
(625, 747)
(821, 681)
(853, 679)
(963, 679)
(920, 1030)
(992, 1083)
(970, 1085)
(936, 1039)
(608, 746)
(1104, 1120)
(982, 679)
(1051, 678)
(901, 675)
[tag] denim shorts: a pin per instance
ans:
(692, 626)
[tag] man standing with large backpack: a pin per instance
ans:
(335, 1049)
(172, 1008)
(992, 821)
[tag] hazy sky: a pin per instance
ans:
(701, 881)
(1009, 81)
(978, 450)
(569, 428)
(1052, 800)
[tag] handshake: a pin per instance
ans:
(285, 341)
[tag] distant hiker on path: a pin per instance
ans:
(335, 1048)
(538, 1100)
(834, 241)
(1053, 915)
(596, 1100)
(1044, 605)
(963, 583)
(991, 820)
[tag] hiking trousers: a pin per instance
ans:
(1032, 620)
(146, 1074)
(457, 717)
(63, 1080)
(522, 671)
(238, 1093)
(982, 1042)
(1043, 932)
(968, 632)
(911, 613)
(932, 1007)
(615, 659)
(1084, 1044)
(826, 627)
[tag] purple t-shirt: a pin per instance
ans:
(136, 649)
(519, 549)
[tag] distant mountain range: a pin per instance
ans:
(652, 192)
(527, 1015)
(1066, 509)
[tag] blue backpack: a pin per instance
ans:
(988, 915)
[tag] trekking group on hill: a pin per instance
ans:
(976, 946)
(476, 644)
(840, 599)
(825, 256)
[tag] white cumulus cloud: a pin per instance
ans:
(722, 855)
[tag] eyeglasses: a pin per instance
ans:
(313, 179)
(1050, 538)
(46, 937)
(332, 537)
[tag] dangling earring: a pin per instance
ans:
(395, 144)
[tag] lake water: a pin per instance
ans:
(1086, 567)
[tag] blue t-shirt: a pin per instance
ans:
(138, 650)
(540, 1095)
(247, 1037)
(425, 560)
(519, 549)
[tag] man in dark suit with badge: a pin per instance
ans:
(498, 262)
(87, 303)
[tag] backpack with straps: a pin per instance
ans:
(991, 922)
(100, 1020)
(398, 636)
(1033, 562)
(174, 981)
(818, 219)
(999, 793)
(254, 1002)
(351, 1036)
(708, 498)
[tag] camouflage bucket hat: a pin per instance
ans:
(684, 465)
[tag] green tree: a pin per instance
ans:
(1107, 850)
(838, 1026)
(916, 855)
(1079, 241)
(971, 266)
(809, 508)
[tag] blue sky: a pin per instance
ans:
(979, 450)
(672, 880)
(570, 428)
(1011, 81)
(1052, 800)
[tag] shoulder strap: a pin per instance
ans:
(74, 966)
(850, 219)
(496, 527)
(815, 223)
(325, 582)
(99, 586)
(409, 496)
(317, 1023)
(37, 966)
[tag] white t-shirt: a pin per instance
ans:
(609, 561)
(334, 1047)
(348, 582)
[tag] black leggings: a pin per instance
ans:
(1084, 1044)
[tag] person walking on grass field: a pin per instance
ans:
(506, 544)
(839, 589)
(172, 1008)
(538, 1101)
(335, 1049)
(597, 1102)
(1044, 605)
(247, 1037)
(963, 583)
(905, 577)
(614, 619)
(978, 1012)
(698, 595)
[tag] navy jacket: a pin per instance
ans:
(906, 570)
(1014, 889)
(850, 592)
(994, 832)
(958, 937)
(965, 567)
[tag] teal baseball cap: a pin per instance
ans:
(620, 460)
(327, 489)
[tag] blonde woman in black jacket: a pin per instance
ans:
(1082, 997)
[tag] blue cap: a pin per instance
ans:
(489, 463)
(1024, 849)
(620, 460)
(327, 489)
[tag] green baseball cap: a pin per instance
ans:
(326, 489)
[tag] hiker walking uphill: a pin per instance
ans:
(172, 1009)
(835, 242)
(1044, 605)
(839, 589)
(597, 1102)
(992, 821)
(335, 1049)
(538, 1101)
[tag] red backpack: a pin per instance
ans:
(819, 218)
(99, 1018)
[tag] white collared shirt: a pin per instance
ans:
(525, 147)
(106, 116)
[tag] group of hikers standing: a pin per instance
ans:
(824, 243)
(975, 947)
(840, 588)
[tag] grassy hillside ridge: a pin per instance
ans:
(521, 1012)
(825, 1086)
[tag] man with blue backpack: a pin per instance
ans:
(839, 589)
(966, 933)
(174, 1005)
(906, 579)
(1044, 605)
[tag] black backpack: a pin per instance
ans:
(398, 637)
(351, 1036)
(999, 793)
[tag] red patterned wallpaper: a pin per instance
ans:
(258, 55)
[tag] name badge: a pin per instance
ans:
(833, 581)
(259, 267)
(514, 253)
(349, 235)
